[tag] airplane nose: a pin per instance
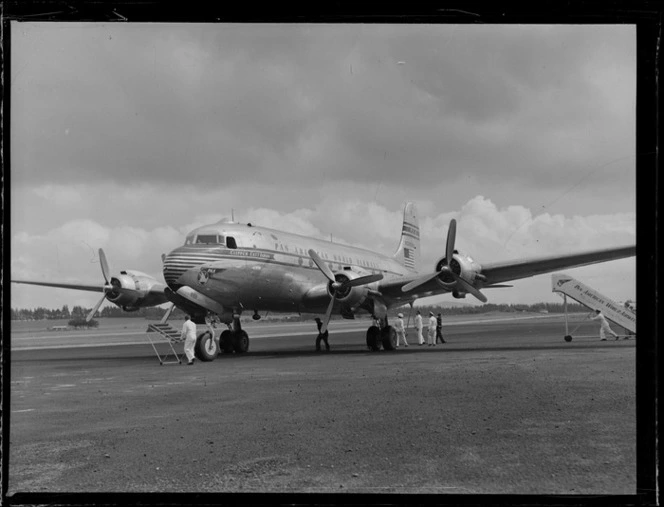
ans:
(175, 264)
(183, 259)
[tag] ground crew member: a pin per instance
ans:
(418, 328)
(439, 329)
(603, 326)
(321, 336)
(400, 329)
(189, 335)
(432, 329)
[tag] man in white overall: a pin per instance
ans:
(189, 335)
(401, 330)
(433, 322)
(418, 328)
(603, 326)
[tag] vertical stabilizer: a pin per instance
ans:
(408, 252)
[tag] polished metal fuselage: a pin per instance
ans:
(268, 270)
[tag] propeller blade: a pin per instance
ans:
(363, 280)
(167, 314)
(420, 281)
(328, 314)
(449, 254)
(94, 310)
(469, 288)
(104, 265)
(451, 238)
(322, 266)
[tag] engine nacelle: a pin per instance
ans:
(131, 289)
(462, 265)
(352, 296)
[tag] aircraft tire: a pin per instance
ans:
(241, 342)
(373, 338)
(389, 338)
(568, 338)
(206, 348)
(226, 342)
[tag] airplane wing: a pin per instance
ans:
(493, 274)
(91, 288)
(513, 270)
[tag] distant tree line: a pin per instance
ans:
(156, 313)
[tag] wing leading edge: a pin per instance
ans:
(513, 270)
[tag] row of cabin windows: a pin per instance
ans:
(229, 241)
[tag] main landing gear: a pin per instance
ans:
(234, 339)
(381, 334)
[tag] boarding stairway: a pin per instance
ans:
(587, 296)
(160, 335)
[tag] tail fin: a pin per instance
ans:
(408, 252)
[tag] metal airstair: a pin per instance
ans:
(594, 300)
(162, 337)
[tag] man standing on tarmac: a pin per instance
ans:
(603, 326)
(418, 327)
(321, 336)
(401, 330)
(189, 335)
(432, 329)
(439, 329)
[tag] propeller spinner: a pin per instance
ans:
(337, 286)
(445, 268)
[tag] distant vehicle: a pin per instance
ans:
(227, 268)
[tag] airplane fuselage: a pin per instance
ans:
(242, 266)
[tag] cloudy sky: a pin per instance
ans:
(126, 136)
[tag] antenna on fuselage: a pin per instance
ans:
(232, 215)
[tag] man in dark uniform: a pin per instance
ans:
(439, 329)
(321, 336)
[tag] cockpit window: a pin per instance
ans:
(208, 239)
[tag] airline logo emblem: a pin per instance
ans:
(563, 281)
(204, 275)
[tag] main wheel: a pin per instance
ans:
(205, 348)
(373, 338)
(241, 342)
(226, 342)
(389, 337)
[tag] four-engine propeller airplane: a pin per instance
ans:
(227, 268)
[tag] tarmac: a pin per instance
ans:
(504, 407)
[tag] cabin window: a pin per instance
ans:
(230, 242)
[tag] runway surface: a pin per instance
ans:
(506, 406)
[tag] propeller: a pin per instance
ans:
(108, 287)
(336, 286)
(449, 252)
